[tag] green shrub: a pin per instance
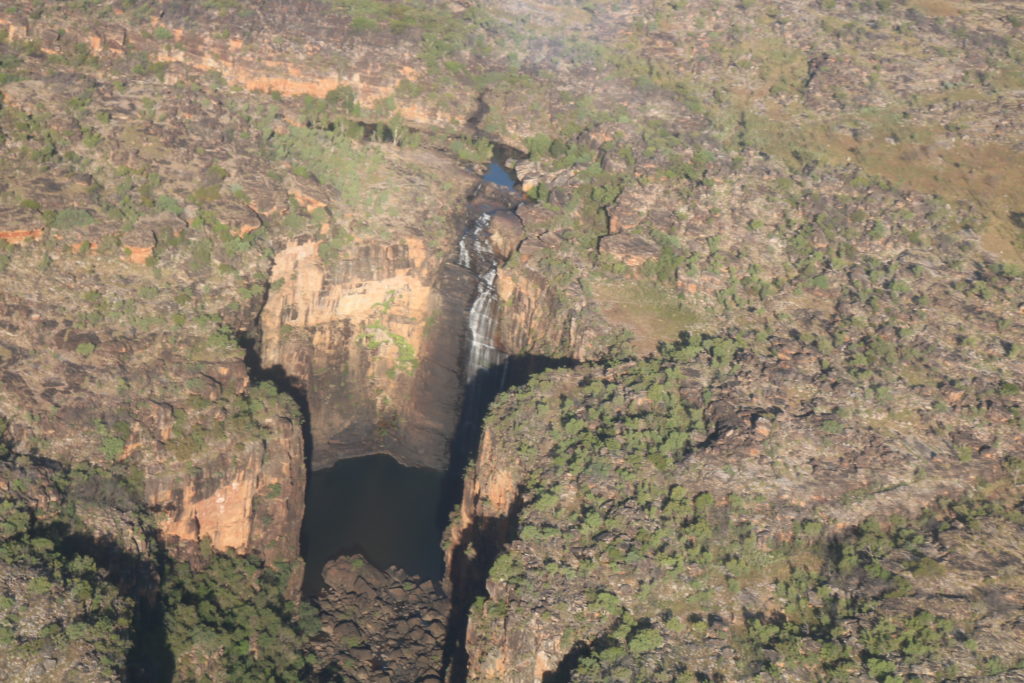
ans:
(645, 640)
(111, 446)
(66, 219)
(228, 618)
(474, 151)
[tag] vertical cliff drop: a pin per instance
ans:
(398, 350)
(476, 255)
(331, 325)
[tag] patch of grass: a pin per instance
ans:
(651, 312)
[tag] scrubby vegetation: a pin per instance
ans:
(788, 231)
(228, 618)
(644, 567)
(65, 602)
(57, 605)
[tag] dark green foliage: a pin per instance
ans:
(210, 187)
(66, 219)
(437, 32)
(857, 585)
(601, 479)
(225, 616)
(538, 146)
(474, 151)
(8, 68)
(328, 250)
(231, 609)
(333, 157)
(87, 612)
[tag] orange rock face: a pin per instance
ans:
(19, 236)
(258, 506)
(352, 333)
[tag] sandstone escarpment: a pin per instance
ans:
(544, 317)
(292, 49)
(315, 55)
(371, 330)
(645, 512)
(485, 521)
(369, 327)
(117, 358)
(249, 499)
(238, 494)
(353, 333)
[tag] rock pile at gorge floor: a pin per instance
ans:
(380, 625)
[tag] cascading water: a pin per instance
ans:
(484, 380)
(475, 255)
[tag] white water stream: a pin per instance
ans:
(476, 256)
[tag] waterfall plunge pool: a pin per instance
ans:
(388, 513)
(395, 515)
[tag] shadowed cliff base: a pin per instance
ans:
(150, 658)
(563, 674)
(395, 515)
(583, 650)
(133, 573)
(471, 561)
(479, 393)
(377, 508)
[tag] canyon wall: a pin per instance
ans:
(248, 497)
(220, 459)
(373, 340)
(374, 334)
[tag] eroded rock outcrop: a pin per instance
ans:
(242, 495)
(373, 77)
(380, 625)
(250, 499)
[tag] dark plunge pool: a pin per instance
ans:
(388, 513)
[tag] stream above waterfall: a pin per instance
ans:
(497, 173)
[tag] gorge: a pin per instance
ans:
(522, 341)
(390, 509)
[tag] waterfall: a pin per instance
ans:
(476, 256)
